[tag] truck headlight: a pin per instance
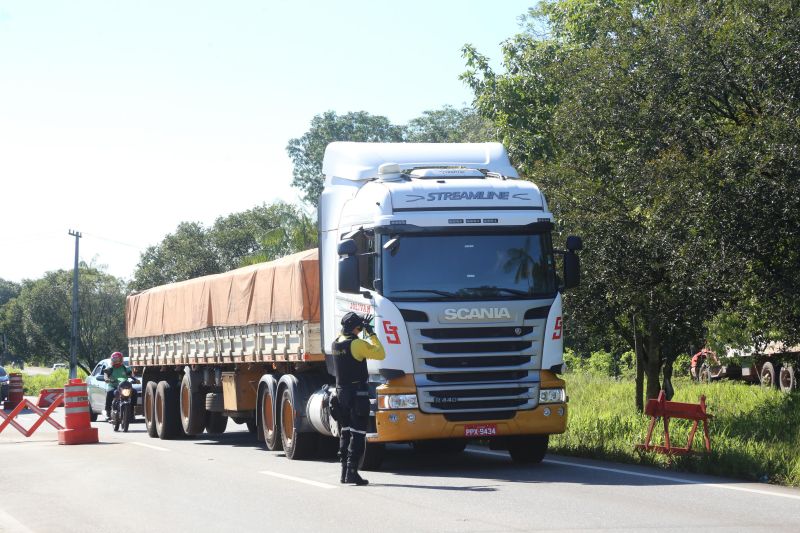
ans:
(551, 396)
(397, 401)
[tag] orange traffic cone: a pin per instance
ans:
(76, 415)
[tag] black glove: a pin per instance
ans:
(367, 327)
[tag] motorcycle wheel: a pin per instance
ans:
(126, 417)
(115, 417)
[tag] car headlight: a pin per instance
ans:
(397, 401)
(551, 396)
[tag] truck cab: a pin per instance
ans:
(453, 254)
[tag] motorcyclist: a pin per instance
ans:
(114, 375)
(350, 360)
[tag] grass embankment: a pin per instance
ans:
(31, 385)
(755, 432)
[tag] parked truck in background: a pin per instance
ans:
(450, 252)
(774, 365)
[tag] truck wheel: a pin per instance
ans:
(251, 425)
(373, 456)
(168, 424)
(528, 449)
(768, 376)
(786, 379)
(193, 408)
(704, 374)
(269, 425)
(149, 408)
(216, 423)
(296, 444)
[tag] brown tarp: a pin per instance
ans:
(283, 290)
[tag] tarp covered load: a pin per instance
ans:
(283, 290)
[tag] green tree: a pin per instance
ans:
(450, 125)
(307, 151)
(665, 133)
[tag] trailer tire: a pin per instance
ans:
(216, 423)
(270, 421)
(297, 445)
(192, 408)
(768, 376)
(373, 456)
(149, 402)
(786, 379)
(167, 417)
(528, 449)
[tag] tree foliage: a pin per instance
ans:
(443, 125)
(665, 133)
(38, 321)
(262, 233)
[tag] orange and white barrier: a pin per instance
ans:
(14, 391)
(76, 415)
(48, 396)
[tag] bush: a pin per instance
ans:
(575, 363)
(627, 365)
(682, 365)
(601, 363)
(31, 385)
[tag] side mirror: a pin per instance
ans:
(348, 274)
(347, 247)
(572, 270)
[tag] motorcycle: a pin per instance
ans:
(122, 406)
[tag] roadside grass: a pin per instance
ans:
(31, 385)
(755, 432)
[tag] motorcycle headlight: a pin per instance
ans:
(551, 395)
(397, 401)
(127, 392)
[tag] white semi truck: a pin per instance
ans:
(452, 254)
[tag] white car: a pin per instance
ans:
(97, 388)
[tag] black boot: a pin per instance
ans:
(353, 477)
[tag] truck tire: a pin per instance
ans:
(704, 374)
(528, 449)
(768, 376)
(216, 423)
(786, 379)
(270, 422)
(296, 444)
(167, 417)
(374, 452)
(149, 402)
(192, 407)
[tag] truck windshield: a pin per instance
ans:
(468, 267)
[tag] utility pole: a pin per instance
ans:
(73, 344)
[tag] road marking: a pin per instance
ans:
(300, 480)
(144, 445)
(650, 476)
(10, 524)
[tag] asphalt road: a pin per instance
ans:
(129, 482)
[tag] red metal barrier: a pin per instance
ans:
(49, 396)
(661, 408)
(76, 415)
(15, 396)
(44, 416)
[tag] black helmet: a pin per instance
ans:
(351, 321)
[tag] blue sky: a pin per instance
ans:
(122, 119)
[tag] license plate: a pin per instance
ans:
(480, 430)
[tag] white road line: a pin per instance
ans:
(300, 480)
(651, 476)
(144, 445)
(10, 524)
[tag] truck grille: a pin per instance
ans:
(477, 371)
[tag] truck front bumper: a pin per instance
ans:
(402, 425)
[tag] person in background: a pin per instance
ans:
(114, 375)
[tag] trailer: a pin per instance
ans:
(774, 366)
(452, 254)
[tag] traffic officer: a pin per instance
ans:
(350, 361)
